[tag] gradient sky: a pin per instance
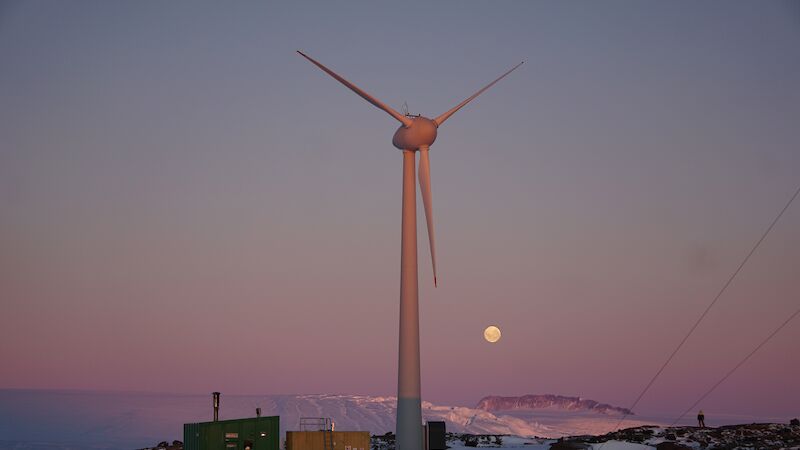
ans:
(188, 205)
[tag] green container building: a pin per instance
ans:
(256, 433)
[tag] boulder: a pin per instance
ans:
(667, 445)
(569, 445)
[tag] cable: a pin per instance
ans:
(736, 367)
(702, 316)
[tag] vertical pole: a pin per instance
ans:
(216, 406)
(409, 408)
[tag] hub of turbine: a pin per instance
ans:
(421, 133)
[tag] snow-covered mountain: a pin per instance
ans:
(562, 416)
(377, 414)
(560, 402)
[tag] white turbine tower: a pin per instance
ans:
(416, 133)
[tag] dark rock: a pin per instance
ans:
(672, 446)
(794, 422)
(470, 441)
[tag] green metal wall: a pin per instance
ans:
(262, 432)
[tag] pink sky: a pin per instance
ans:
(189, 206)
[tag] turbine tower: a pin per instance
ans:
(416, 134)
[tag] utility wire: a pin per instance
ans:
(736, 367)
(702, 316)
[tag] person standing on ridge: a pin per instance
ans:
(701, 419)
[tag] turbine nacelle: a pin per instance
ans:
(421, 133)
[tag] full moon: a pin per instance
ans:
(491, 333)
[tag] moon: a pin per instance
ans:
(491, 334)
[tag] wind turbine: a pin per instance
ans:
(416, 134)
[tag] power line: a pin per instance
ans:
(736, 367)
(703, 315)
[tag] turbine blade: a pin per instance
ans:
(440, 120)
(403, 119)
(425, 189)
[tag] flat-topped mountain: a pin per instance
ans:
(548, 401)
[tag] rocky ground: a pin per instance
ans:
(745, 436)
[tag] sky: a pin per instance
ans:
(189, 206)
